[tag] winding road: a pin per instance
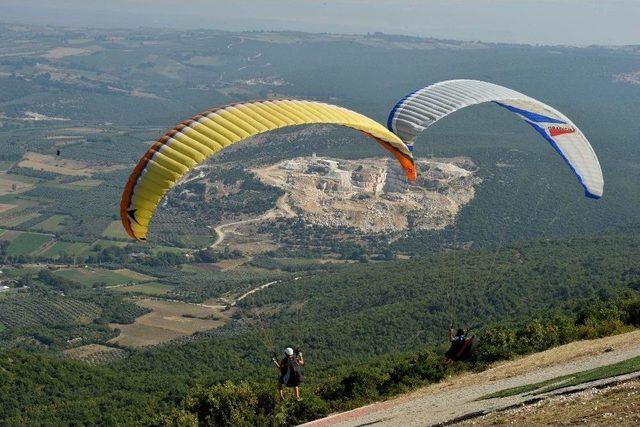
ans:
(282, 209)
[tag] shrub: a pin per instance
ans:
(594, 312)
(359, 385)
(294, 412)
(224, 404)
(632, 312)
(495, 343)
(424, 367)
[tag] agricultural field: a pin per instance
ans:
(18, 215)
(8, 235)
(91, 276)
(169, 320)
(22, 311)
(53, 164)
(108, 243)
(5, 165)
(115, 231)
(4, 207)
(68, 248)
(27, 243)
(95, 354)
(83, 184)
(15, 184)
(15, 211)
(150, 288)
(157, 249)
(52, 224)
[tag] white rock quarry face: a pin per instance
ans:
(372, 195)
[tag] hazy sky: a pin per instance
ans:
(516, 21)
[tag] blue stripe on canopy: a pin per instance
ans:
(534, 117)
(393, 112)
(550, 140)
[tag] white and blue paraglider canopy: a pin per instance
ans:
(420, 109)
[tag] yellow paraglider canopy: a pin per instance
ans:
(195, 140)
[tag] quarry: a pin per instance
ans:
(372, 195)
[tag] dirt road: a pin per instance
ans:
(457, 397)
(282, 209)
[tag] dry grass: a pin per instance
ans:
(9, 234)
(618, 405)
(167, 321)
(458, 396)
(63, 166)
(17, 217)
(54, 164)
(230, 264)
(61, 52)
(562, 354)
(13, 185)
(5, 207)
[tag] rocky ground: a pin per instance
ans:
(372, 195)
(617, 405)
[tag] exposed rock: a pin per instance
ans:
(373, 195)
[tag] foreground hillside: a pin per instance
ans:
(368, 331)
(466, 395)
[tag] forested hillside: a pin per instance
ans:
(347, 318)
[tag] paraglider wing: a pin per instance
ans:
(420, 109)
(194, 140)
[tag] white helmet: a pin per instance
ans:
(288, 351)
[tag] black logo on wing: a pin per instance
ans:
(132, 215)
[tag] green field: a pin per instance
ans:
(52, 224)
(5, 165)
(150, 288)
(89, 277)
(83, 184)
(27, 243)
(107, 243)
(156, 249)
(72, 249)
(115, 231)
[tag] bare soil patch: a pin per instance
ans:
(205, 266)
(63, 166)
(61, 52)
(54, 164)
(169, 320)
(5, 207)
(12, 185)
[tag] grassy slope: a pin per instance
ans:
(621, 368)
